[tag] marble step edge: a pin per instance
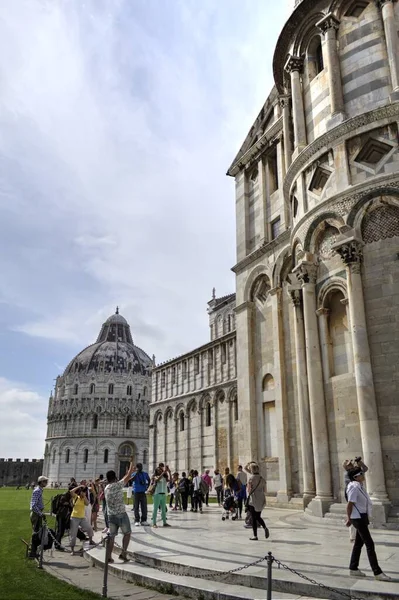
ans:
(201, 589)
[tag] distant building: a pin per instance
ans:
(20, 471)
(193, 413)
(98, 416)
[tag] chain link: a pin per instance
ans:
(210, 574)
(313, 581)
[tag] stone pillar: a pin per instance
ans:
(262, 200)
(187, 436)
(350, 251)
(306, 272)
(201, 437)
(305, 428)
(165, 437)
(329, 26)
(75, 464)
(285, 492)
(285, 108)
(215, 432)
(294, 66)
(229, 437)
(323, 313)
(248, 421)
(176, 456)
(391, 37)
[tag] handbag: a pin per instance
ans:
(247, 500)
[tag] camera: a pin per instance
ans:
(358, 458)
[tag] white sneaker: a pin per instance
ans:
(382, 577)
(145, 524)
(137, 524)
(356, 573)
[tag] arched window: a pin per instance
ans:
(129, 390)
(315, 62)
(208, 415)
(54, 453)
(106, 456)
(95, 421)
(128, 421)
(67, 455)
(92, 388)
(85, 455)
(75, 388)
(111, 388)
(181, 421)
(144, 391)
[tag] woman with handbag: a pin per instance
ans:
(358, 511)
(256, 489)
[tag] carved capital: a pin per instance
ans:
(321, 312)
(351, 253)
(294, 63)
(296, 298)
(327, 23)
(306, 272)
(381, 3)
(284, 102)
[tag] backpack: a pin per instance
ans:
(183, 485)
(56, 504)
(204, 488)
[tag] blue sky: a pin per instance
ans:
(118, 121)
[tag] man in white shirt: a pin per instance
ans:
(242, 476)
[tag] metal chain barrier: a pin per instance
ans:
(313, 581)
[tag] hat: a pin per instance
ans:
(354, 473)
(42, 478)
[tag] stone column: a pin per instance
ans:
(294, 66)
(306, 272)
(248, 420)
(262, 200)
(323, 313)
(165, 437)
(176, 456)
(350, 251)
(75, 464)
(285, 492)
(329, 26)
(215, 432)
(201, 437)
(187, 436)
(391, 37)
(229, 437)
(305, 429)
(285, 108)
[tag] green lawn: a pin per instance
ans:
(20, 579)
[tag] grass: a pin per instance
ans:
(20, 578)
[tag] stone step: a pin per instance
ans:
(185, 576)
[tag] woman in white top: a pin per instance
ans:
(358, 511)
(256, 490)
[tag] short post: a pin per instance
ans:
(42, 544)
(105, 578)
(270, 560)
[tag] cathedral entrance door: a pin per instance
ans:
(123, 467)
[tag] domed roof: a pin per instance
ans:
(113, 352)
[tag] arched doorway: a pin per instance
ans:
(126, 453)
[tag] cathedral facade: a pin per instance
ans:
(194, 409)
(317, 272)
(98, 416)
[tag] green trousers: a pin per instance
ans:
(159, 500)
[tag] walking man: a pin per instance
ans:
(140, 483)
(36, 511)
(208, 480)
(116, 511)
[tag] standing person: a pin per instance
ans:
(178, 502)
(36, 512)
(95, 507)
(256, 489)
(197, 492)
(116, 510)
(218, 483)
(160, 479)
(348, 465)
(78, 516)
(208, 480)
(140, 482)
(184, 486)
(172, 491)
(242, 476)
(63, 516)
(358, 511)
(191, 488)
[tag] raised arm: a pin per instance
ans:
(128, 475)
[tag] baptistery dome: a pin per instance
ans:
(98, 414)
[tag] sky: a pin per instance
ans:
(118, 121)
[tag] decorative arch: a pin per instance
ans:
(369, 203)
(317, 226)
(280, 264)
(168, 413)
(191, 406)
(254, 274)
(306, 32)
(157, 417)
(330, 286)
(314, 62)
(203, 400)
(220, 395)
(268, 383)
(178, 408)
(260, 289)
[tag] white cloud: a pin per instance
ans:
(23, 422)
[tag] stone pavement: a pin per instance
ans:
(202, 545)
(195, 544)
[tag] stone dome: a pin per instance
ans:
(113, 352)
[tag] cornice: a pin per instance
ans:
(191, 395)
(325, 141)
(224, 338)
(257, 148)
(261, 251)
